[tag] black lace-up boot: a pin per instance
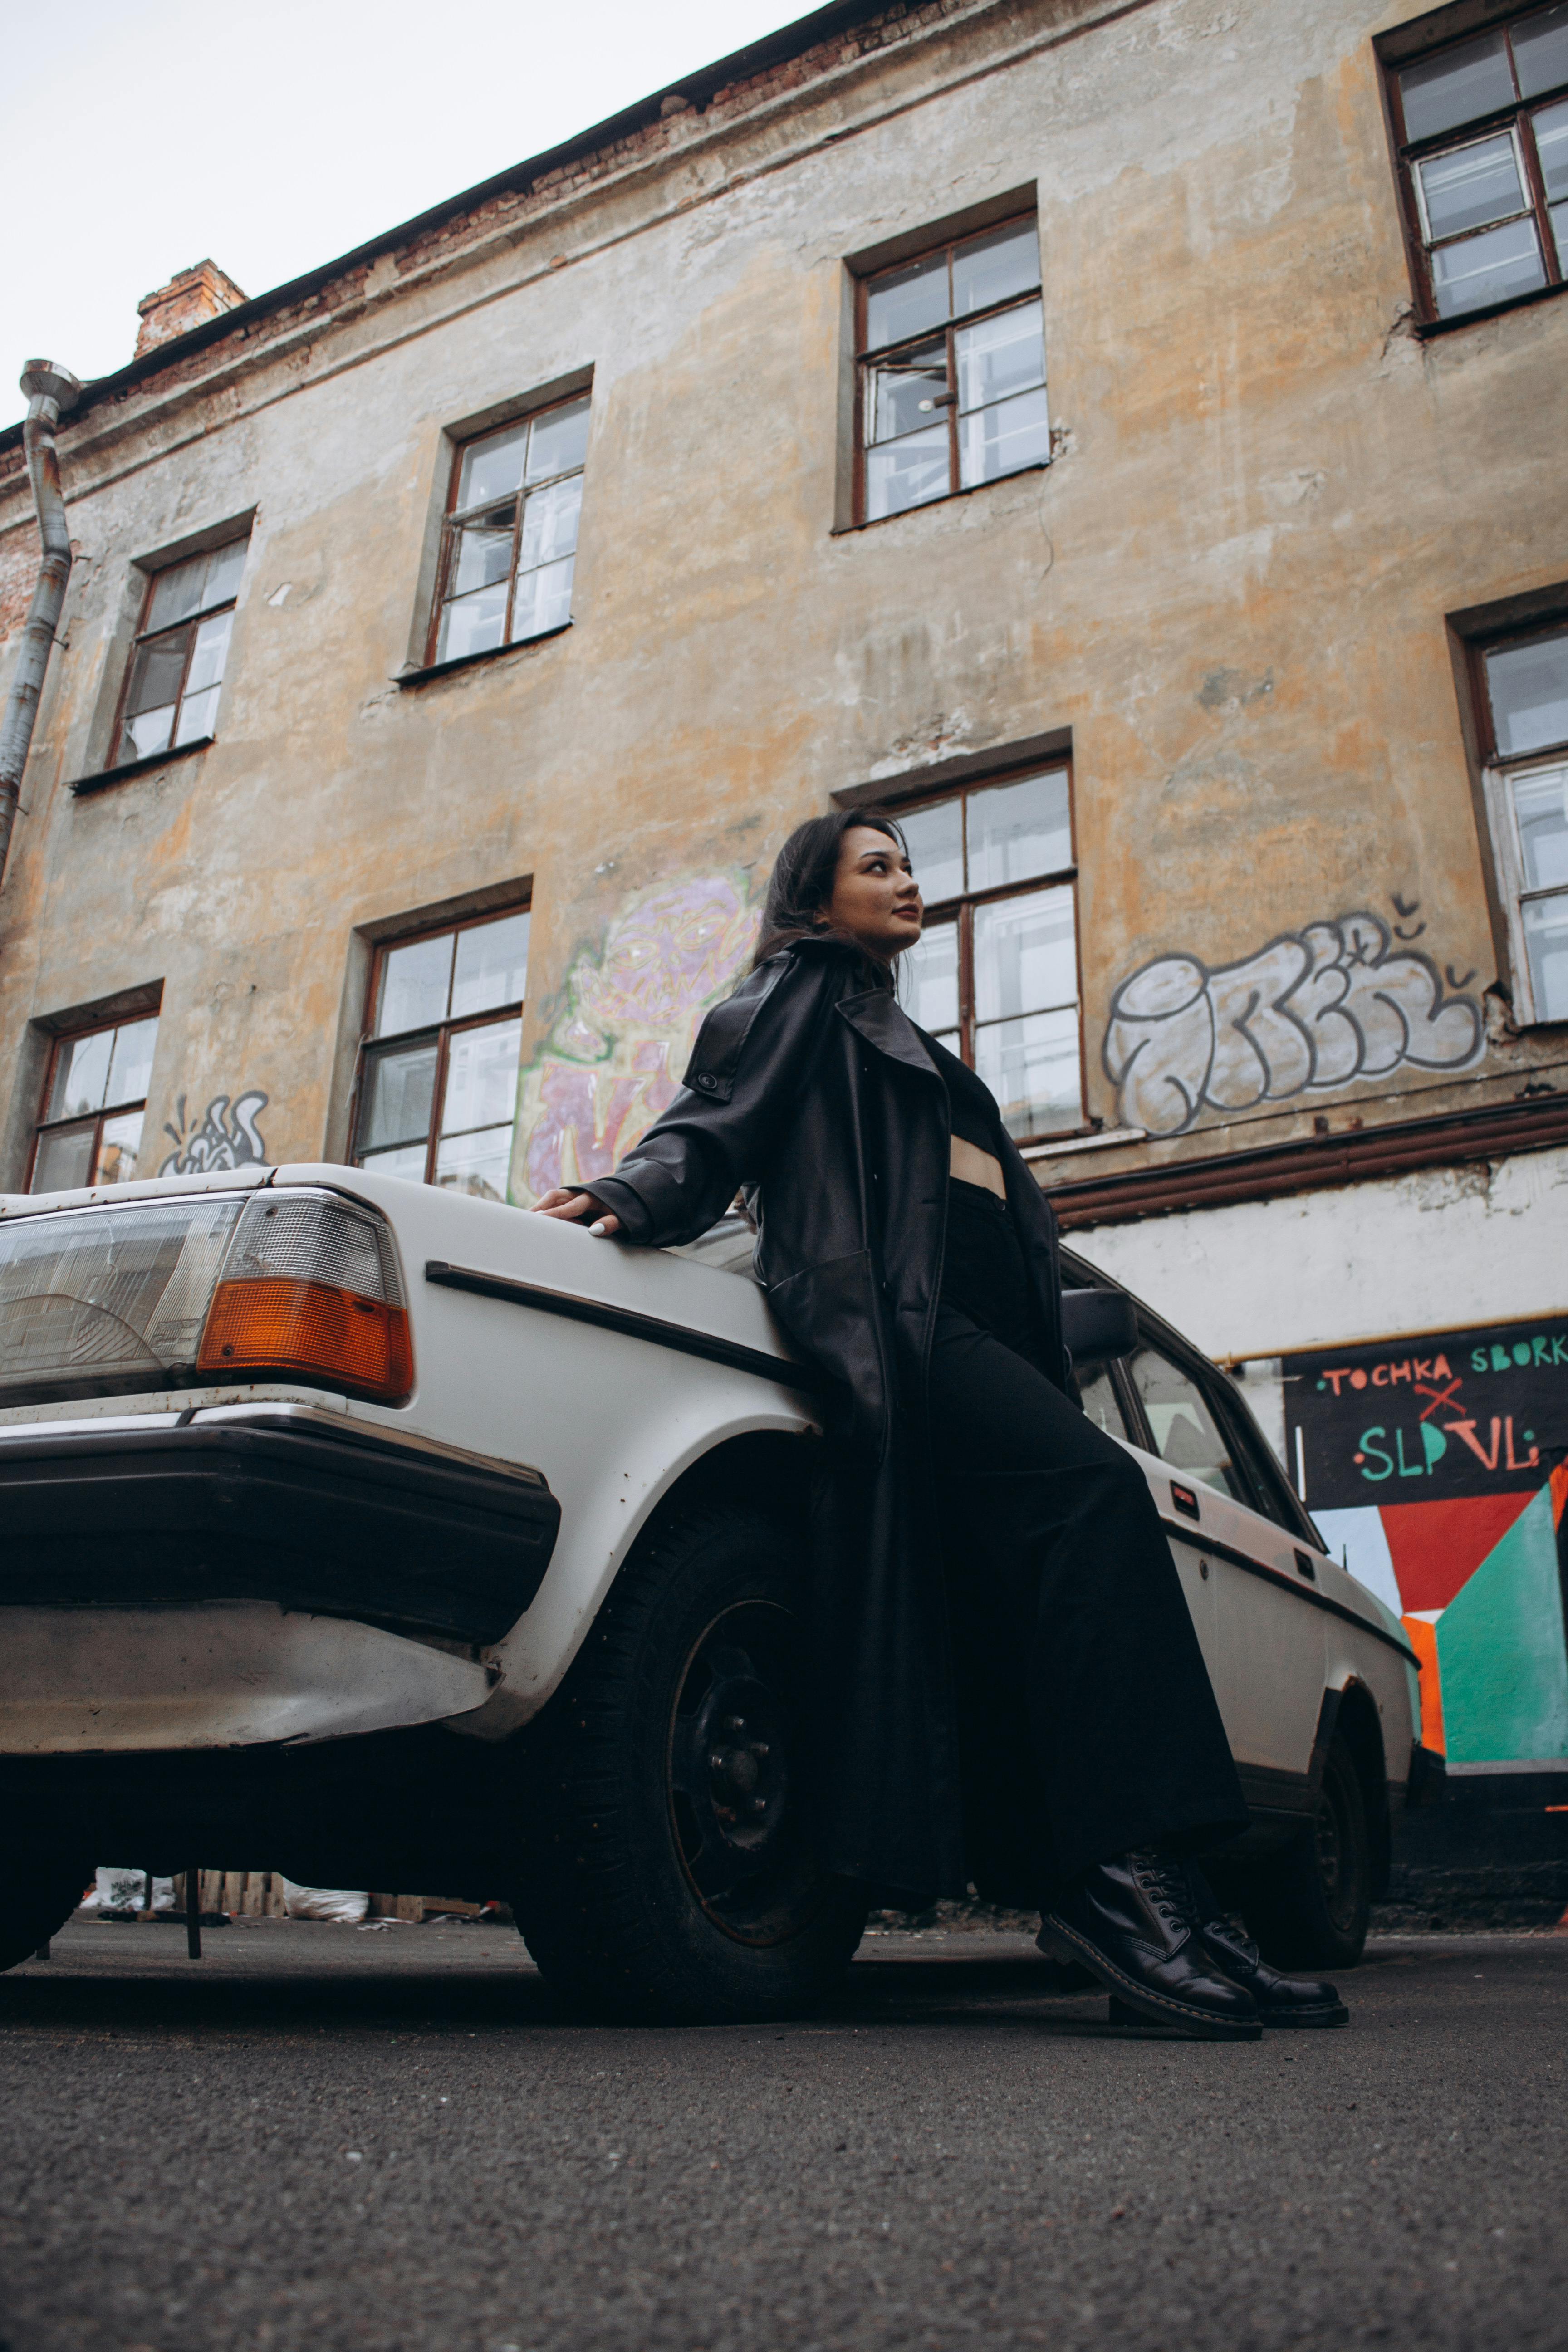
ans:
(1131, 1924)
(1280, 2000)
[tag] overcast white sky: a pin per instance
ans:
(142, 135)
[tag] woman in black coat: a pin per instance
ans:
(1009, 1682)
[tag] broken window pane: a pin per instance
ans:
(1492, 267)
(1019, 830)
(399, 1095)
(902, 393)
(1529, 690)
(473, 624)
(558, 442)
(64, 1162)
(928, 979)
(1546, 944)
(131, 1064)
(1026, 955)
(118, 1144)
(1031, 1066)
(988, 271)
(1000, 355)
(1540, 51)
(1456, 87)
(935, 839)
(904, 303)
(414, 981)
(482, 552)
(491, 468)
(81, 1074)
(1001, 440)
(491, 966)
(156, 670)
(1470, 185)
(906, 473)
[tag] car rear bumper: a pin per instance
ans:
(297, 1506)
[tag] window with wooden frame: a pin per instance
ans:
(1522, 701)
(996, 972)
(175, 675)
(438, 1094)
(509, 543)
(1482, 130)
(95, 1098)
(951, 371)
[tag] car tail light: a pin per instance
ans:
(311, 1289)
(107, 1299)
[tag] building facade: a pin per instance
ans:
(1125, 439)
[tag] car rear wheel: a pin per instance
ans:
(38, 1896)
(1311, 1907)
(669, 1872)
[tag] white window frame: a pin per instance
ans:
(1499, 780)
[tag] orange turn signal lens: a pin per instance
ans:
(281, 1325)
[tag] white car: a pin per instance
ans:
(392, 1538)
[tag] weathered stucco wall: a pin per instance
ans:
(1230, 585)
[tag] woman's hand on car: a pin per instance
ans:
(574, 1207)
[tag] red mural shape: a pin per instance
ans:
(1436, 1547)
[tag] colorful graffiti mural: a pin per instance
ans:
(631, 1009)
(1438, 1467)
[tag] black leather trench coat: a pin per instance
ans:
(816, 1090)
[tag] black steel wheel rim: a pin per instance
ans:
(733, 1776)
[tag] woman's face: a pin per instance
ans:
(875, 900)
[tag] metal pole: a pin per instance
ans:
(49, 390)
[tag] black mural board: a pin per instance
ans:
(1480, 1411)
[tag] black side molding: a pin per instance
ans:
(628, 1322)
(1309, 1594)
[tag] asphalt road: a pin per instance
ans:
(327, 2136)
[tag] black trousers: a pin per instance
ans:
(1088, 1724)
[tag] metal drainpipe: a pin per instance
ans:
(49, 389)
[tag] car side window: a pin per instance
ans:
(1184, 1431)
(1097, 1396)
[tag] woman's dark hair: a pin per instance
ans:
(802, 881)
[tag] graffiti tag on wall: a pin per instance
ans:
(614, 1059)
(1315, 1009)
(224, 1138)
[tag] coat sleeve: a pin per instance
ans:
(747, 1066)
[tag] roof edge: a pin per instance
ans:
(699, 88)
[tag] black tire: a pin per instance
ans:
(1312, 1905)
(38, 1896)
(668, 1875)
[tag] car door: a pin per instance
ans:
(1105, 1397)
(1267, 1657)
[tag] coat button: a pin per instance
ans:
(707, 1082)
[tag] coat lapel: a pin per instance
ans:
(880, 1021)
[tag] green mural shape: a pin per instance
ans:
(1501, 1650)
